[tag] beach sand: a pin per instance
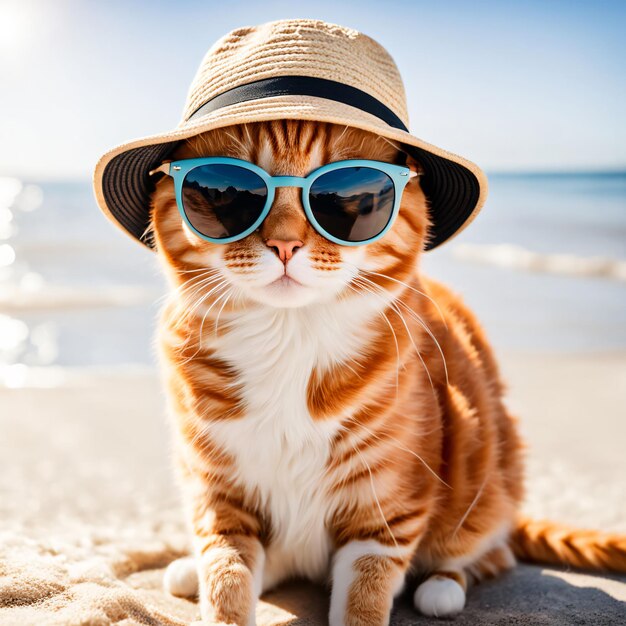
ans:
(90, 514)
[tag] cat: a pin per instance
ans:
(346, 424)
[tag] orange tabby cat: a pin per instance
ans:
(345, 424)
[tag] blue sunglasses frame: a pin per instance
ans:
(178, 170)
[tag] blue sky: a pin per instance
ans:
(535, 85)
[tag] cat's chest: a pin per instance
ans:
(280, 451)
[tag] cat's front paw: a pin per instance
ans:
(367, 575)
(227, 591)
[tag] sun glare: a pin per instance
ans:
(17, 25)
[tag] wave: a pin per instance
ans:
(63, 245)
(14, 298)
(20, 376)
(511, 256)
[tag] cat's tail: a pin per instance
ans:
(557, 544)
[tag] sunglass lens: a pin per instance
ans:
(353, 204)
(222, 201)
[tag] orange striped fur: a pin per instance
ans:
(544, 541)
(349, 428)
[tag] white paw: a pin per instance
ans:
(181, 578)
(439, 597)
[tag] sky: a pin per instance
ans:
(513, 86)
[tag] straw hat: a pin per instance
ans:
(292, 69)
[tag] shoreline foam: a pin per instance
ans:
(512, 256)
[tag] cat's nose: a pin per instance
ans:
(284, 250)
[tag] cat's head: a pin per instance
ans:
(286, 262)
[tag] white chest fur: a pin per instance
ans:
(280, 451)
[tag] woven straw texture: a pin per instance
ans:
(298, 48)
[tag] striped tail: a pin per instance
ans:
(549, 542)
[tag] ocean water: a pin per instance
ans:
(543, 265)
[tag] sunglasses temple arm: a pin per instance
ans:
(164, 168)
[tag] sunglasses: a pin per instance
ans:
(351, 202)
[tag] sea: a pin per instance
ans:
(543, 266)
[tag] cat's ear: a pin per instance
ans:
(408, 160)
(414, 165)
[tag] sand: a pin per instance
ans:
(90, 515)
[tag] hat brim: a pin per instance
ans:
(456, 188)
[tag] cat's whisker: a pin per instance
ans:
(410, 429)
(402, 283)
(199, 269)
(206, 313)
(429, 332)
(187, 284)
(397, 311)
(401, 447)
(395, 339)
(417, 291)
(418, 319)
(189, 288)
(217, 319)
(346, 129)
(397, 345)
(196, 299)
(392, 143)
(399, 314)
(190, 311)
(198, 275)
(471, 506)
(380, 508)
(182, 348)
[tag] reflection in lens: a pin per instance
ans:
(222, 201)
(353, 203)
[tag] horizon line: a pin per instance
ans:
(589, 171)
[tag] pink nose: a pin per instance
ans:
(284, 250)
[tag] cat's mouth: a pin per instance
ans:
(285, 292)
(285, 282)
